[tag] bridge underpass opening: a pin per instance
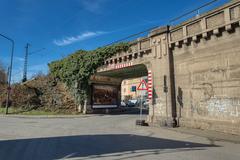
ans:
(106, 86)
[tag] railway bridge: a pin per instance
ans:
(193, 70)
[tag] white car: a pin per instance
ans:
(123, 104)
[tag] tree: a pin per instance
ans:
(3, 75)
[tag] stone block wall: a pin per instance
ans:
(207, 72)
(235, 12)
(160, 68)
(208, 79)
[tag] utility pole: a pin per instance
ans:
(25, 63)
(28, 54)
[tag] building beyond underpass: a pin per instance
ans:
(129, 89)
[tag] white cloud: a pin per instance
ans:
(93, 5)
(19, 59)
(73, 39)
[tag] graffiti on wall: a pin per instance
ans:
(222, 106)
(205, 103)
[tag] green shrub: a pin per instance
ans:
(76, 69)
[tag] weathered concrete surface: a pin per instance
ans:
(200, 60)
(207, 72)
(103, 137)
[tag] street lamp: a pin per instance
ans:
(9, 72)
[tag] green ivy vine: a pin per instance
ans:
(76, 69)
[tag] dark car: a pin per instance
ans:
(132, 103)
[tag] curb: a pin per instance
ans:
(45, 116)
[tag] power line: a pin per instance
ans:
(192, 11)
(36, 51)
(172, 20)
(132, 35)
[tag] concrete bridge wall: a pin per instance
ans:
(200, 62)
(206, 55)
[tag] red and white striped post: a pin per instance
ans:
(150, 92)
(150, 85)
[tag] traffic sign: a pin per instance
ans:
(142, 86)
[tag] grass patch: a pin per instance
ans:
(3, 110)
(18, 111)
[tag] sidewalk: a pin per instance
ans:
(211, 135)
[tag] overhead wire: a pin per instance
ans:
(171, 21)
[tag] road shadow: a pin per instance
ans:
(92, 146)
(131, 111)
(122, 111)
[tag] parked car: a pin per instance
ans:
(123, 104)
(132, 103)
(146, 104)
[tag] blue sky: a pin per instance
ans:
(64, 26)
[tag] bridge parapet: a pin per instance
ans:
(212, 23)
(154, 46)
(138, 49)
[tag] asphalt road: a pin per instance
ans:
(108, 137)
